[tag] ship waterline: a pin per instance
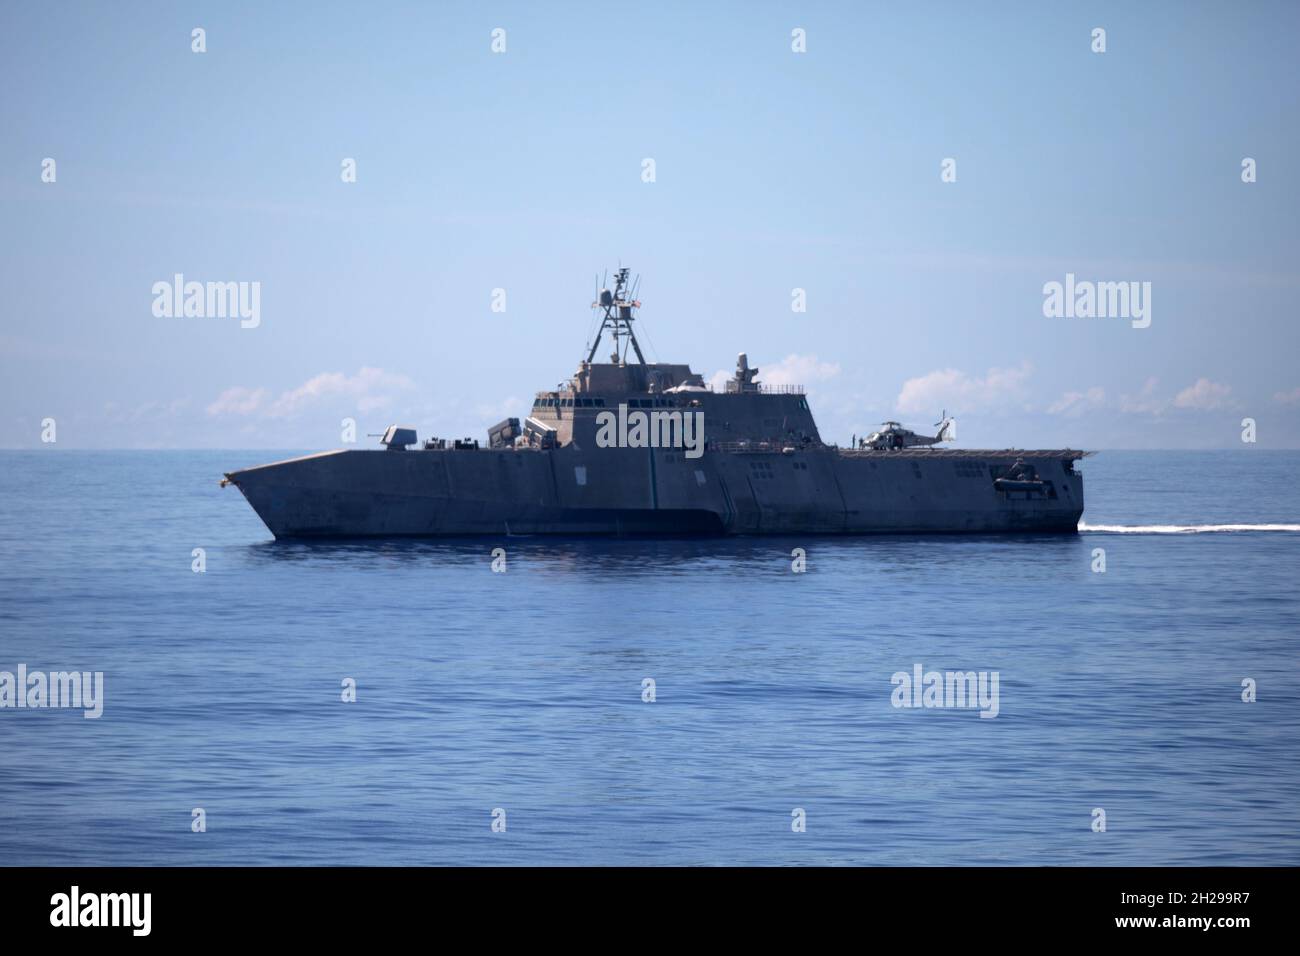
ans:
(763, 468)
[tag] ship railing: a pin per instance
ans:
(735, 388)
(761, 446)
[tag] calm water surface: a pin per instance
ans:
(522, 690)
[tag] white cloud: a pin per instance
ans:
(368, 390)
(953, 389)
(1204, 395)
(798, 370)
(1074, 404)
(1288, 398)
(238, 400)
(1145, 402)
(792, 370)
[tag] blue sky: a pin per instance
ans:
(523, 171)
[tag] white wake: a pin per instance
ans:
(1182, 528)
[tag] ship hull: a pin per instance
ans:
(634, 492)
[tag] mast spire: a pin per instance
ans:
(617, 306)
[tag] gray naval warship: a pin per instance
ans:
(630, 447)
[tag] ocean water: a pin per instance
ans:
(523, 690)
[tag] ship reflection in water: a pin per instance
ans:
(659, 557)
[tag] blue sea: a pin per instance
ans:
(522, 692)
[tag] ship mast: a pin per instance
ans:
(618, 306)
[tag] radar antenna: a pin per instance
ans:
(618, 306)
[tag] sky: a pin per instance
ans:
(525, 171)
